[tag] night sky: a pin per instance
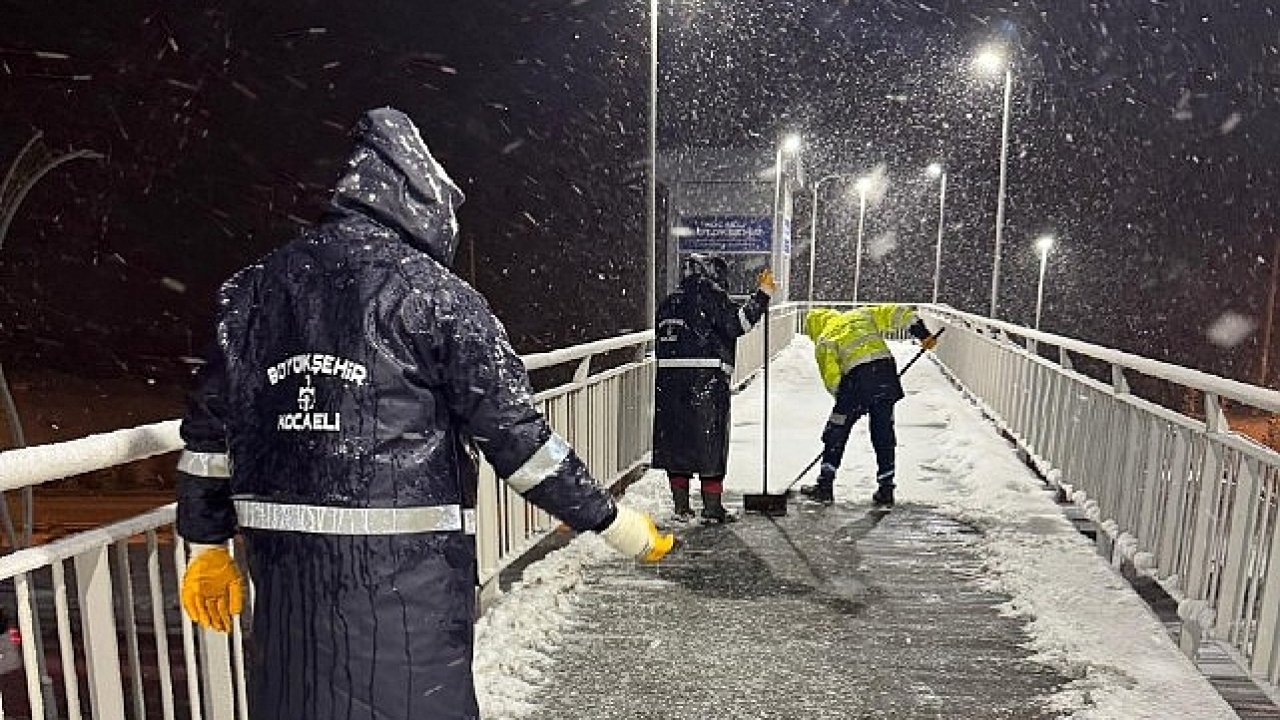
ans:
(1145, 136)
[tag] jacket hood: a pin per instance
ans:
(392, 178)
(816, 320)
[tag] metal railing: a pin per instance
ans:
(1183, 499)
(109, 595)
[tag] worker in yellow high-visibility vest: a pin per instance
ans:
(859, 370)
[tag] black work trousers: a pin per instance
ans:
(835, 436)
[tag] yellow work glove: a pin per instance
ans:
(767, 283)
(633, 533)
(212, 588)
(930, 342)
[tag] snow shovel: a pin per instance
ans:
(776, 505)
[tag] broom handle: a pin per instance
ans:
(764, 468)
(907, 367)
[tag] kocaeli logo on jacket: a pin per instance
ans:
(307, 365)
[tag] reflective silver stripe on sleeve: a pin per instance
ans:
(742, 318)
(541, 465)
(208, 465)
(695, 363)
(324, 520)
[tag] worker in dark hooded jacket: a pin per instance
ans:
(698, 326)
(331, 427)
(858, 369)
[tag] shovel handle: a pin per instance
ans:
(764, 466)
(917, 357)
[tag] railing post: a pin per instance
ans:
(1119, 382)
(159, 627)
(98, 628)
(1215, 420)
(32, 661)
(1266, 651)
(1235, 561)
(130, 628)
(215, 675)
(486, 532)
(583, 370)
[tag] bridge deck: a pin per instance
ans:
(974, 598)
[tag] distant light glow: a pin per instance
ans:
(990, 59)
(863, 185)
(1044, 244)
(791, 143)
(934, 170)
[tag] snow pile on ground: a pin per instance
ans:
(520, 633)
(1083, 619)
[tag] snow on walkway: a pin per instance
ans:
(1084, 621)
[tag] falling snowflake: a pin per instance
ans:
(1230, 329)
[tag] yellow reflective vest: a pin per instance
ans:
(845, 340)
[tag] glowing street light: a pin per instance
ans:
(1044, 244)
(992, 60)
(937, 171)
(989, 59)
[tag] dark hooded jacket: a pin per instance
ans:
(698, 326)
(353, 370)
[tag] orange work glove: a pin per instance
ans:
(767, 283)
(212, 588)
(633, 533)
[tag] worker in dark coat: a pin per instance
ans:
(331, 427)
(698, 326)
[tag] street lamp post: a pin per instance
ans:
(993, 60)
(864, 184)
(813, 227)
(787, 144)
(651, 201)
(1043, 245)
(938, 171)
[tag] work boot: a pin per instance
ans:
(822, 492)
(714, 511)
(680, 496)
(883, 496)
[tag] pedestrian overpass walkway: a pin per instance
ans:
(976, 597)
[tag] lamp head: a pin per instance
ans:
(990, 59)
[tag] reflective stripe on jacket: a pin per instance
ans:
(844, 340)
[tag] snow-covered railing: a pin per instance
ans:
(1184, 500)
(110, 638)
